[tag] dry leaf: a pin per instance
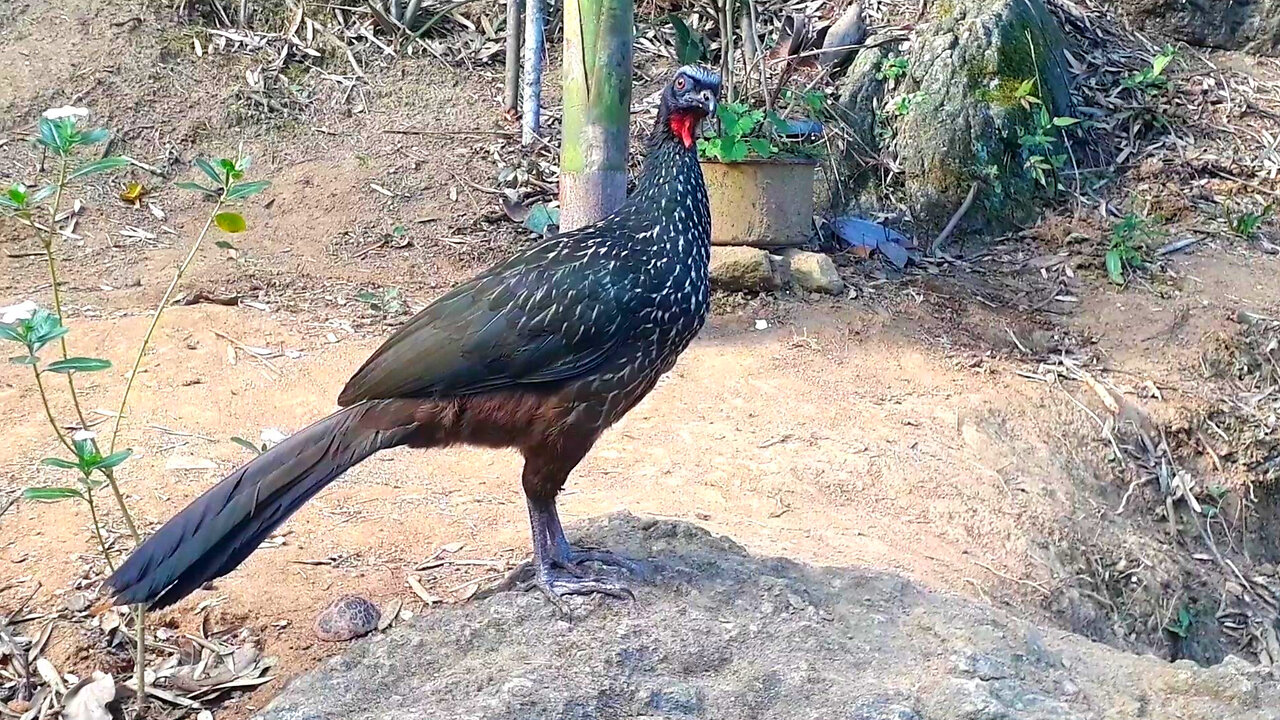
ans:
(133, 192)
(88, 699)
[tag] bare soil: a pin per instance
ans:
(890, 429)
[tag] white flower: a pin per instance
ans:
(65, 111)
(84, 436)
(15, 313)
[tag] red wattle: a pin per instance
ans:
(682, 125)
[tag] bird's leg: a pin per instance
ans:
(545, 521)
(557, 566)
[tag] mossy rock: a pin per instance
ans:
(965, 117)
(858, 99)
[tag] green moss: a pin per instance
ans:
(944, 9)
(1022, 53)
(1004, 94)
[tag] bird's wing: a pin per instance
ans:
(549, 314)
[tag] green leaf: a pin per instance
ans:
(51, 494)
(1065, 121)
(78, 364)
(1025, 88)
(733, 150)
(113, 459)
(749, 121)
(56, 134)
(11, 332)
(50, 336)
(97, 166)
(209, 170)
(1115, 267)
(690, 44)
(1161, 61)
(230, 222)
(244, 190)
(24, 360)
(243, 163)
(17, 195)
(42, 193)
(198, 188)
(59, 463)
(93, 137)
(223, 244)
(229, 170)
(246, 444)
(761, 147)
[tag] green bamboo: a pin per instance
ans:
(598, 52)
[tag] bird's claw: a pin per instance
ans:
(601, 557)
(556, 583)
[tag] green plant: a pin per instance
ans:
(61, 134)
(1125, 252)
(1181, 626)
(1039, 145)
(1151, 80)
(893, 68)
(901, 105)
(741, 135)
(255, 449)
(1248, 223)
(388, 301)
(691, 46)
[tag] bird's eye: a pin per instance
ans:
(681, 84)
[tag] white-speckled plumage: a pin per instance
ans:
(542, 353)
(598, 314)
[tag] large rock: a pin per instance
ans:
(1249, 25)
(737, 268)
(813, 271)
(717, 633)
(960, 121)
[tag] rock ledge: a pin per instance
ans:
(718, 633)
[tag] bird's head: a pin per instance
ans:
(690, 96)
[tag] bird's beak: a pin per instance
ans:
(709, 103)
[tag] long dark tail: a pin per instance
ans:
(217, 531)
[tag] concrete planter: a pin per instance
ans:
(762, 203)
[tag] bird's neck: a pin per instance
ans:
(670, 183)
(670, 190)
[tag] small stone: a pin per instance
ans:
(814, 272)
(347, 618)
(1266, 569)
(743, 269)
(77, 602)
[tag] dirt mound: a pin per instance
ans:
(718, 633)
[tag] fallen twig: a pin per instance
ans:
(955, 220)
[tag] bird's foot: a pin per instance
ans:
(559, 580)
(574, 558)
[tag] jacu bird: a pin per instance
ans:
(540, 353)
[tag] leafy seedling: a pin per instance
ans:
(738, 137)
